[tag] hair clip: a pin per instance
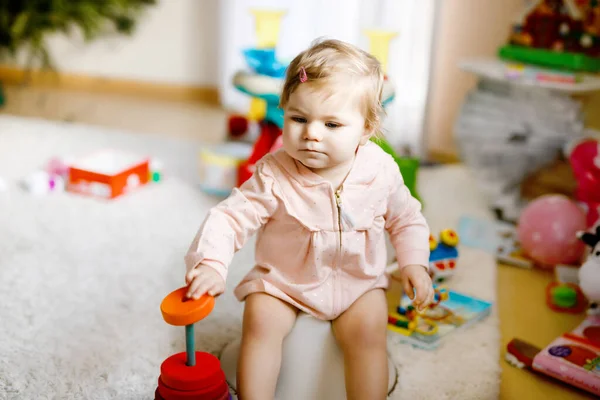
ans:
(303, 77)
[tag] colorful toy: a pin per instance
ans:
(190, 374)
(265, 144)
(449, 311)
(108, 174)
(41, 182)
(156, 171)
(573, 358)
(219, 167)
(443, 256)
(557, 33)
(57, 166)
(589, 273)
(584, 157)
(547, 230)
(565, 297)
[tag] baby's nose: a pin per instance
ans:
(312, 132)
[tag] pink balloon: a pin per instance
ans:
(547, 230)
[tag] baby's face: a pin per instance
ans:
(323, 130)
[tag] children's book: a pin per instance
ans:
(574, 357)
(498, 238)
(428, 329)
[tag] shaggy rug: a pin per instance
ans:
(81, 280)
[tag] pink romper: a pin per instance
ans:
(317, 248)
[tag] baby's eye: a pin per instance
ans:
(300, 120)
(332, 125)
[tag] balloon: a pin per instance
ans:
(547, 230)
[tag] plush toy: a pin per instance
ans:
(589, 273)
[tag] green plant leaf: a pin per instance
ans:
(20, 24)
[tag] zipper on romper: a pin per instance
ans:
(338, 201)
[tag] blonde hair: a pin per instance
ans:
(328, 61)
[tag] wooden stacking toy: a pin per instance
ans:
(189, 375)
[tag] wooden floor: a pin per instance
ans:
(523, 313)
(181, 119)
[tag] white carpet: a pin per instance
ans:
(81, 280)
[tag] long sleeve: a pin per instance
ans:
(229, 225)
(406, 225)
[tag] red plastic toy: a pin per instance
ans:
(585, 161)
(269, 133)
(189, 375)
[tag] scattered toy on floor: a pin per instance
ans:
(565, 297)
(41, 183)
(547, 230)
(573, 357)
(449, 311)
(443, 256)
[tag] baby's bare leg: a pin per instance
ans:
(361, 332)
(267, 321)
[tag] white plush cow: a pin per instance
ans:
(589, 273)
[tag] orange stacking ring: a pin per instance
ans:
(179, 310)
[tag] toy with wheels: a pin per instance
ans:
(443, 256)
(190, 375)
(312, 365)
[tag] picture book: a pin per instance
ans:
(496, 237)
(451, 312)
(574, 357)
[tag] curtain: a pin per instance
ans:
(409, 56)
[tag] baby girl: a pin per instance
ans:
(321, 206)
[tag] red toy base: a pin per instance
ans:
(157, 396)
(220, 391)
(206, 373)
(580, 305)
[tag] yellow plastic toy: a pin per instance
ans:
(379, 44)
(268, 23)
(258, 109)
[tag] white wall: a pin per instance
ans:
(175, 42)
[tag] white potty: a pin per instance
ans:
(312, 365)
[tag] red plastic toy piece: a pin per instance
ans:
(179, 310)
(580, 303)
(584, 160)
(238, 125)
(176, 374)
(269, 133)
(216, 392)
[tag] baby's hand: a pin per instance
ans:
(204, 279)
(416, 276)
